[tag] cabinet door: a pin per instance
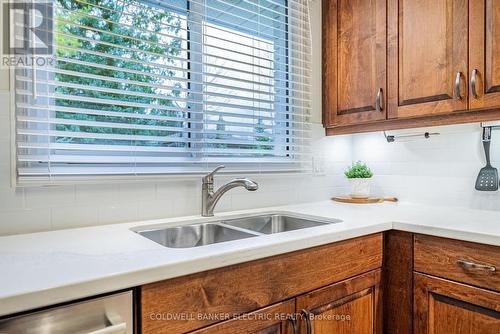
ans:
(269, 320)
(427, 57)
(484, 53)
(444, 307)
(354, 61)
(352, 306)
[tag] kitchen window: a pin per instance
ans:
(167, 87)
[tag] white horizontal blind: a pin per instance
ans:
(168, 86)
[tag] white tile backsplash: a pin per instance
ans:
(157, 208)
(24, 221)
(441, 170)
(181, 190)
(95, 193)
(74, 216)
(50, 196)
(118, 213)
(186, 206)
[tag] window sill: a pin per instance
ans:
(121, 179)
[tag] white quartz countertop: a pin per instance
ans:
(41, 269)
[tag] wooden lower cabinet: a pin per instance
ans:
(174, 306)
(269, 320)
(445, 307)
(352, 306)
(337, 288)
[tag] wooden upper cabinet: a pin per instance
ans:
(444, 307)
(352, 306)
(354, 61)
(484, 53)
(427, 57)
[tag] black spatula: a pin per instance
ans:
(487, 180)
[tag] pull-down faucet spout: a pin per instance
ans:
(209, 198)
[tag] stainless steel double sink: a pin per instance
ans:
(202, 234)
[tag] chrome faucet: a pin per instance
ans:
(209, 198)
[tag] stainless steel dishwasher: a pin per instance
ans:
(111, 314)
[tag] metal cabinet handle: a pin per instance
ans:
(379, 103)
(293, 322)
(473, 83)
(458, 86)
(308, 316)
(475, 266)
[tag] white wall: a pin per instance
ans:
(32, 209)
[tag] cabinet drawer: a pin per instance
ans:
(460, 261)
(196, 300)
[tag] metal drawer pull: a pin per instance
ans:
(293, 321)
(473, 83)
(458, 81)
(115, 329)
(473, 266)
(379, 103)
(308, 316)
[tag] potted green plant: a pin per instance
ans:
(359, 175)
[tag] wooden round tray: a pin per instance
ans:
(367, 200)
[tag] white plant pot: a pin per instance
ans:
(360, 188)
